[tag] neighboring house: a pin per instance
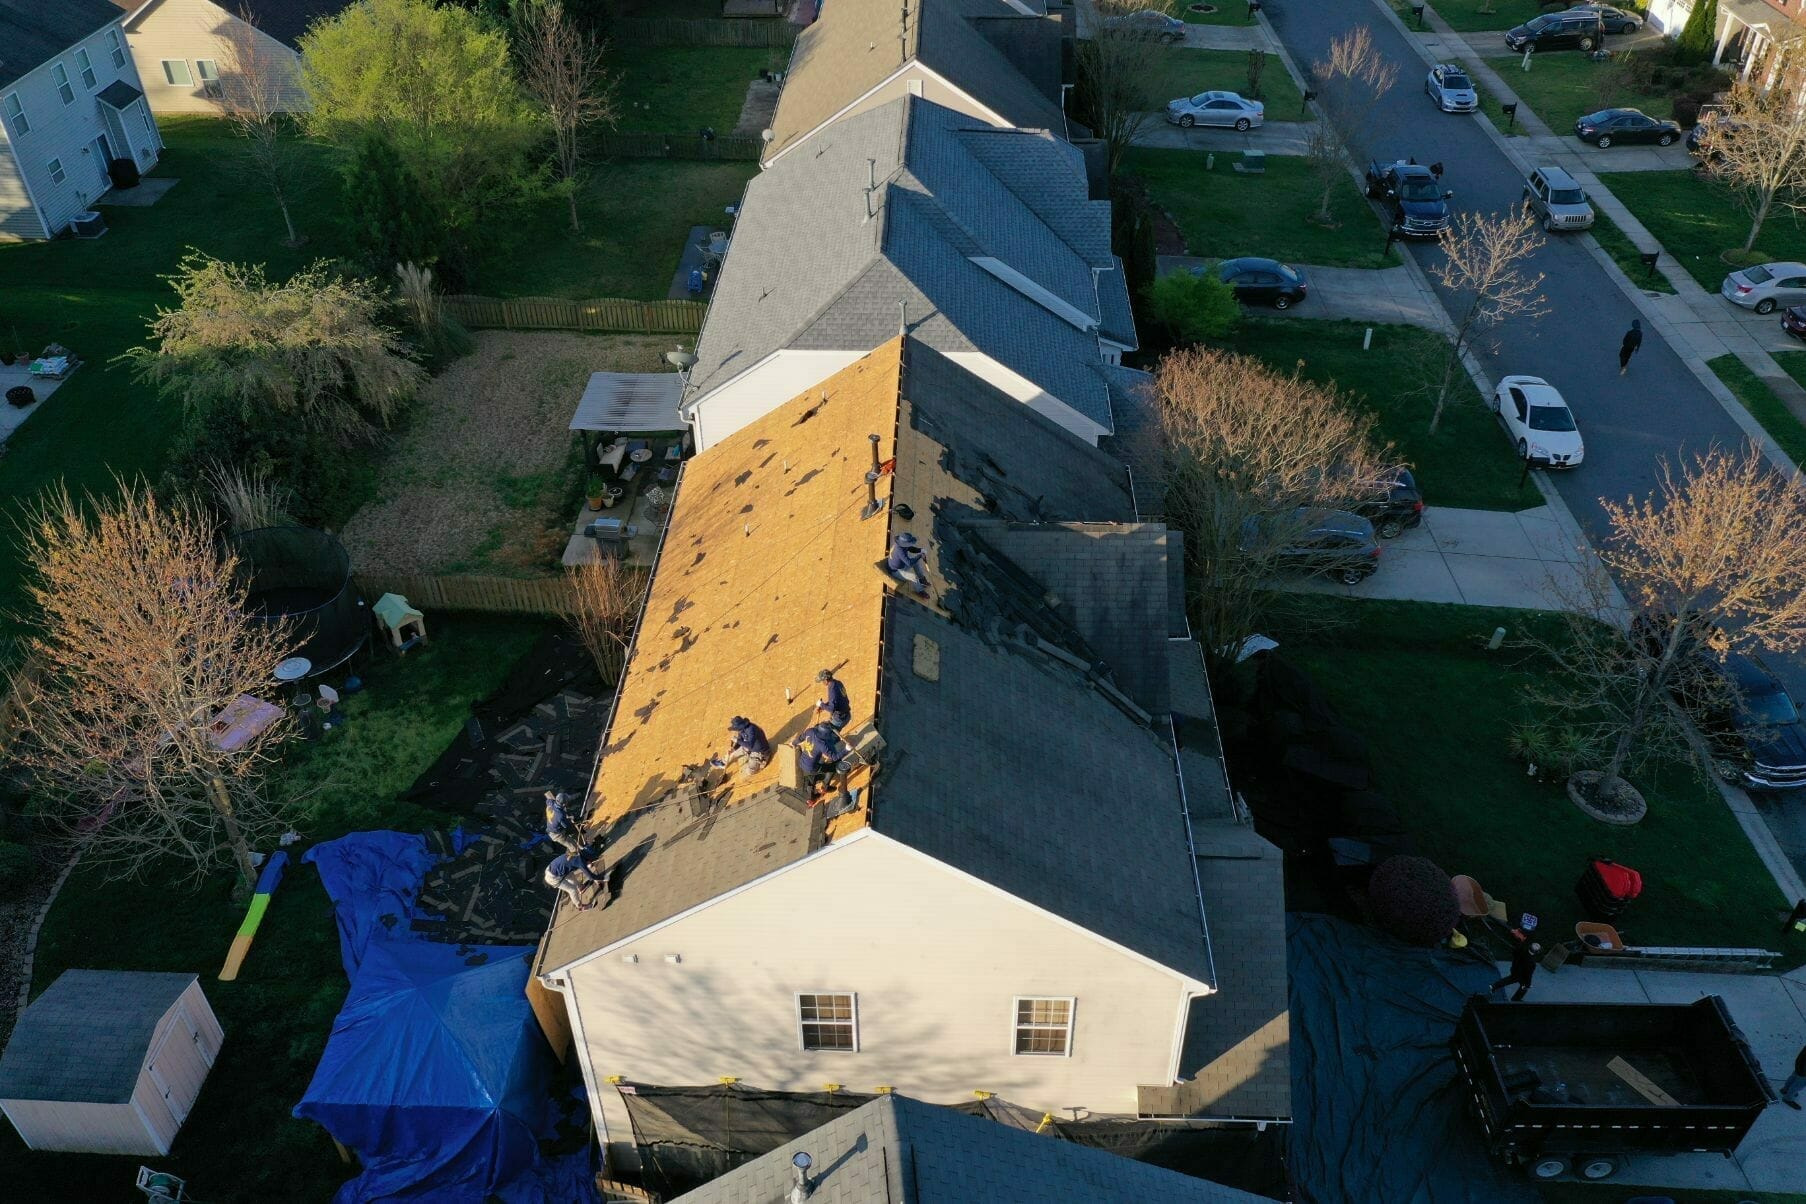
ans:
(981, 241)
(860, 54)
(904, 1151)
(1749, 33)
(189, 51)
(1016, 902)
(70, 102)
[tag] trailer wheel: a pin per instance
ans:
(1597, 1168)
(1549, 1166)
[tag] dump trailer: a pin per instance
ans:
(1573, 1087)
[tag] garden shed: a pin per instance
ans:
(109, 1062)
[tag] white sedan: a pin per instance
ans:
(1216, 108)
(1538, 421)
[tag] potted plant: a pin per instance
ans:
(595, 490)
(21, 357)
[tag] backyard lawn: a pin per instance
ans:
(1440, 756)
(1563, 87)
(1760, 400)
(240, 1143)
(1696, 220)
(681, 89)
(1466, 463)
(1188, 72)
(1222, 213)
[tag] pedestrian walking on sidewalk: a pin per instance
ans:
(1633, 339)
(1524, 953)
(1796, 1082)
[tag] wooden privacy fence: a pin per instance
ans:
(681, 31)
(559, 313)
(633, 145)
(499, 595)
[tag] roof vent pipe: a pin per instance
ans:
(801, 1188)
(872, 504)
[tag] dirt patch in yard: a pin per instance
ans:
(481, 480)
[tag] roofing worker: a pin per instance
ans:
(834, 705)
(747, 743)
(573, 874)
(818, 755)
(559, 828)
(905, 561)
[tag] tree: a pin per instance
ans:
(312, 349)
(1193, 307)
(1713, 560)
(1756, 143)
(605, 603)
(438, 84)
(1483, 258)
(1257, 64)
(391, 218)
(1699, 35)
(143, 637)
(1117, 67)
(561, 68)
(1243, 442)
(255, 97)
(1349, 81)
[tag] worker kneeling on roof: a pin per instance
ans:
(560, 829)
(574, 874)
(834, 705)
(819, 752)
(747, 744)
(905, 561)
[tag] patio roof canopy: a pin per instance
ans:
(629, 401)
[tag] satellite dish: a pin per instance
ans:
(680, 359)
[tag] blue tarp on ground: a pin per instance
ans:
(437, 1073)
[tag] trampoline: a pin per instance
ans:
(303, 576)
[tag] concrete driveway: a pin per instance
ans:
(1355, 294)
(1275, 137)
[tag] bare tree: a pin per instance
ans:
(255, 96)
(144, 643)
(1252, 457)
(561, 68)
(1756, 143)
(1349, 81)
(605, 602)
(1117, 66)
(1483, 257)
(1712, 562)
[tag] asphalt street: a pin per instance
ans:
(1633, 424)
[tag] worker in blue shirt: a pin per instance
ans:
(833, 706)
(818, 755)
(560, 830)
(905, 561)
(747, 744)
(575, 875)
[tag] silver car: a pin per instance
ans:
(1216, 108)
(1766, 287)
(1147, 23)
(1450, 88)
(1557, 198)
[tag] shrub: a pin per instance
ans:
(1412, 899)
(1694, 45)
(1132, 233)
(16, 867)
(1193, 307)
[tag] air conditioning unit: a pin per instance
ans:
(88, 224)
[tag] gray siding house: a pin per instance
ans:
(70, 101)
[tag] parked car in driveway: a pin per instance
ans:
(1399, 511)
(1726, 127)
(1537, 420)
(1147, 23)
(1226, 109)
(1332, 542)
(1611, 20)
(1577, 29)
(1450, 88)
(1414, 193)
(1558, 199)
(1766, 287)
(1262, 281)
(1609, 127)
(1794, 321)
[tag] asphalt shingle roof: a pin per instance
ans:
(85, 1039)
(32, 32)
(908, 1152)
(1118, 323)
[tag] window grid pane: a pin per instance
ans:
(87, 69)
(115, 48)
(176, 72)
(827, 1022)
(57, 174)
(1043, 1026)
(60, 76)
(15, 113)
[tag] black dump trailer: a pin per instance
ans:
(1560, 1087)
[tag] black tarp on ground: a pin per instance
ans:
(1376, 1106)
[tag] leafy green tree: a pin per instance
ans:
(391, 218)
(1193, 307)
(1699, 35)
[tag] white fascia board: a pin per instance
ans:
(1072, 315)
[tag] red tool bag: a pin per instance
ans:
(1606, 887)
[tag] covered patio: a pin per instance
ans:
(634, 443)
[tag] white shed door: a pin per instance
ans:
(177, 1065)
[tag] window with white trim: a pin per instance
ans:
(175, 71)
(15, 115)
(59, 75)
(57, 174)
(1043, 1026)
(828, 1021)
(116, 49)
(208, 70)
(83, 65)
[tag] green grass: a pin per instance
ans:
(1469, 16)
(1470, 807)
(1228, 12)
(240, 1143)
(680, 89)
(1760, 400)
(1222, 213)
(1625, 253)
(1561, 88)
(1466, 463)
(1696, 220)
(1489, 108)
(1187, 72)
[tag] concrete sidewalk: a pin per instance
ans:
(1771, 1011)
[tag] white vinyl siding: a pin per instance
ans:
(15, 115)
(1042, 1027)
(57, 174)
(828, 1021)
(115, 49)
(175, 72)
(59, 75)
(85, 67)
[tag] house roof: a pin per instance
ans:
(948, 242)
(284, 20)
(85, 1039)
(769, 573)
(855, 45)
(32, 32)
(909, 1152)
